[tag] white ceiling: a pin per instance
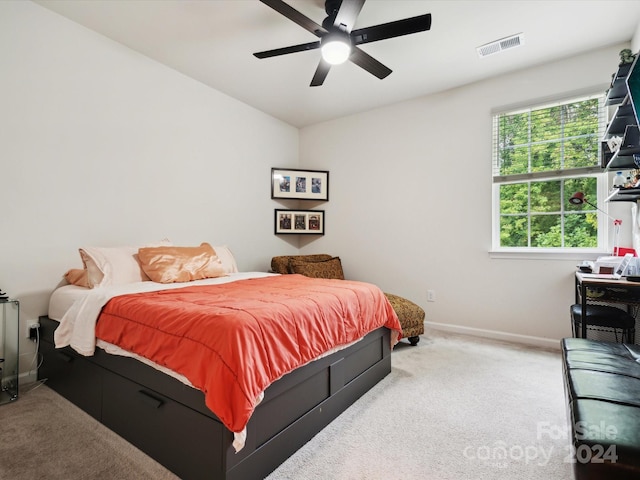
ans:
(213, 41)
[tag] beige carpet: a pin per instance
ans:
(453, 407)
(46, 437)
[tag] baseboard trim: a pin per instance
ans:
(26, 378)
(551, 343)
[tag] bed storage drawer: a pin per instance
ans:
(73, 377)
(187, 442)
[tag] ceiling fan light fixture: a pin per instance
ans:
(338, 40)
(335, 49)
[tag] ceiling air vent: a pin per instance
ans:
(500, 45)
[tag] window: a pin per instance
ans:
(542, 156)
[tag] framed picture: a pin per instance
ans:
(299, 184)
(299, 221)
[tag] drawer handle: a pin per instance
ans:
(150, 399)
(65, 357)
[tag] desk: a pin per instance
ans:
(616, 291)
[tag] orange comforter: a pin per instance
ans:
(233, 340)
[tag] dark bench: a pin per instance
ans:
(602, 386)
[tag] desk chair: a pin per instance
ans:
(604, 318)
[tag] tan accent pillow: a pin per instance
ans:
(77, 276)
(331, 268)
(180, 264)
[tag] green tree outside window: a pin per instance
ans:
(540, 161)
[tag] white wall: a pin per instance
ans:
(396, 219)
(102, 146)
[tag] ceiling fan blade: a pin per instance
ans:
(391, 29)
(321, 73)
(285, 50)
(295, 16)
(369, 63)
(348, 13)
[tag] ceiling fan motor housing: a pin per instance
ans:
(331, 7)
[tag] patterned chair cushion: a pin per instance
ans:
(411, 316)
(331, 268)
(280, 264)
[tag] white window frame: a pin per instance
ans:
(604, 230)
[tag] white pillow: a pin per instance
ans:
(227, 259)
(114, 265)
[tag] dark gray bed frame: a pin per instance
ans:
(170, 422)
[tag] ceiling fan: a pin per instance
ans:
(338, 41)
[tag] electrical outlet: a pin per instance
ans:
(431, 295)
(34, 331)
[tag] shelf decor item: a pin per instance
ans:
(299, 222)
(291, 183)
(626, 56)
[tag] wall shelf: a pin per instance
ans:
(622, 124)
(623, 159)
(624, 195)
(622, 117)
(618, 90)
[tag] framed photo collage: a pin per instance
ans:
(295, 184)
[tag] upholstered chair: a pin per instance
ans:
(411, 316)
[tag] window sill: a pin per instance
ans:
(546, 254)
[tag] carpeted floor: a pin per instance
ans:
(46, 437)
(453, 407)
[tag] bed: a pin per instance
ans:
(98, 358)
